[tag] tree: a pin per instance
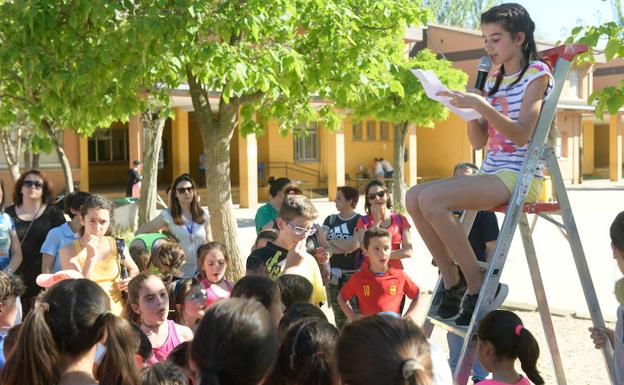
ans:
(272, 58)
(609, 99)
(459, 13)
(404, 102)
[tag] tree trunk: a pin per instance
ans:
(217, 135)
(28, 159)
(12, 148)
(69, 180)
(153, 125)
(398, 180)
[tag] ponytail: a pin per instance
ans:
(414, 373)
(118, 366)
(34, 359)
(528, 353)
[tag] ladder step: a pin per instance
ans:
(449, 326)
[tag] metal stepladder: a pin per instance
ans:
(516, 213)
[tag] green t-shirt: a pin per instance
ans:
(264, 215)
(149, 239)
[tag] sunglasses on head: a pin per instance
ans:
(33, 183)
(198, 296)
(182, 190)
(378, 194)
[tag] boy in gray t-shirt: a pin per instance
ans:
(615, 337)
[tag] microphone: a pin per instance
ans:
(485, 63)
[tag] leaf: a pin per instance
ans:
(612, 48)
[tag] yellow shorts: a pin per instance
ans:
(509, 178)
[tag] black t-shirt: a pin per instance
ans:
(271, 256)
(133, 177)
(31, 245)
(337, 227)
(484, 229)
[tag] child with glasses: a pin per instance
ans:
(288, 255)
(212, 262)
(187, 302)
(378, 207)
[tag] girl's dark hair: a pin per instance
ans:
(197, 213)
(229, 328)
(383, 350)
(97, 202)
(258, 287)
(306, 354)
(277, 185)
(47, 194)
(178, 292)
(180, 354)
(511, 340)
(294, 288)
(376, 182)
(74, 316)
(74, 201)
(296, 312)
(144, 345)
(514, 18)
(204, 249)
(617, 232)
(163, 373)
(350, 194)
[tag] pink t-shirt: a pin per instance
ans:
(162, 352)
(522, 381)
(215, 292)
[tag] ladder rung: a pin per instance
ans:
(533, 208)
(449, 326)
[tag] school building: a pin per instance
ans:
(586, 146)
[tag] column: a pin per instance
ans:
(135, 141)
(411, 175)
(248, 170)
(83, 145)
(180, 142)
(615, 148)
(335, 146)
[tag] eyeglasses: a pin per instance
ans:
(183, 190)
(378, 194)
(33, 183)
(198, 296)
(302, 230)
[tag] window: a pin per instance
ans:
(573, 84)
(306, 144)
(357, 131)
(109, 145)
(371, 131)
(384, 132)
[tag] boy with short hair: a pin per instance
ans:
(11, 287)
(287, 254)
(378, 287)
(615, 337)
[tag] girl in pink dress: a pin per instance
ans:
(212, 262)
(501, 340)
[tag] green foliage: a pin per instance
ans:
(459, 13)
(608, 99)
(403, 99)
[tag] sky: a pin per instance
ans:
(554, 19)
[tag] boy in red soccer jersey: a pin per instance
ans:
(378, 287)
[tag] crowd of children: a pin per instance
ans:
(162, 311)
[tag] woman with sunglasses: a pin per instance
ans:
(33, 216)
(378, 207)
(184, 219)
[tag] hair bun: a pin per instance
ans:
(271, 180)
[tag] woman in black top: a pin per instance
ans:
(33, 217)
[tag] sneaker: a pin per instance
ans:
(470, 302)
(451, 300)
(467, 308)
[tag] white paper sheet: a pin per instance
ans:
(432, 86)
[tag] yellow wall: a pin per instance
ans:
(588, 147)
(363, 152)
(601, 145)
(442, 147)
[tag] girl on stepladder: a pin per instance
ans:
(501, 340)
(509, 108)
